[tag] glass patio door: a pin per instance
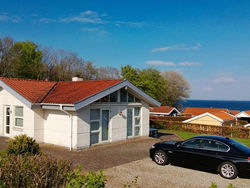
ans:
(105, 125)
(129, 122)
(6, 120)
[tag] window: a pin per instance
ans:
(194, 143)
(137, 120)
(94, 125)
(114, 96)
(123, 95)
(105, 99)
(214, 145)
(18, 116)
(131, 98)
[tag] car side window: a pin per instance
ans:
(194, 143)
(214, 145)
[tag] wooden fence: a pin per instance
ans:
(228, 131)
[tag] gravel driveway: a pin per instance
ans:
(152, 175)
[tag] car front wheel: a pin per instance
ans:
(160, 157)
(228, 170)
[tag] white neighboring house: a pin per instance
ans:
(164, 111)
(74, 114)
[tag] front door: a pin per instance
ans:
(6, 120)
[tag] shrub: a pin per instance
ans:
(90, 180)
(33, 171)
(213, 185)
(21, 145)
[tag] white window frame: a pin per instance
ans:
(18, 117)
(100, 126)
(138, 116)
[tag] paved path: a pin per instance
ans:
(151, 175)
(105, 155)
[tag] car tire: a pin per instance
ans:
(228, 170)
(160, 157)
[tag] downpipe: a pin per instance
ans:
(71, 124)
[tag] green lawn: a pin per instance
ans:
(186, 135)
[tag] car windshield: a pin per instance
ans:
(239, 145)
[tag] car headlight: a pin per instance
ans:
(152, 147)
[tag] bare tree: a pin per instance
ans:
(108, 73)
(177, 87)
(5, 56)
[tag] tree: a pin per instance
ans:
(5, 55)
(108, 73)
(27, 60)
(149, 80)
(177, 87)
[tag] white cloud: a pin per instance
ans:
(6, 17)
(85, 17)
(128, 23)
(223, 80)
(176, 47)
(186, 63)
(47, 20)
(93, 29)
(162, 63)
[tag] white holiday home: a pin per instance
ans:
(74, 114)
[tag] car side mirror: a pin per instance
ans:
(179, 145)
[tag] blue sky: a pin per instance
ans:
(207, 41)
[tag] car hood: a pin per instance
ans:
(169, 143)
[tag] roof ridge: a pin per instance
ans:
(23, 79)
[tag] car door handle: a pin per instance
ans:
(170, 151)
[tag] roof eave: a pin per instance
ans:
(124, 83)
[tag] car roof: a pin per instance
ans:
(219, 138)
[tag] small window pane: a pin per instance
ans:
(7, 111)
(94, 126)
(105, 99)
(137, 131)
(7, 120)
(19, 122)
(19, 111)
(137, 111)
(123, 95)
(114, 97)
(7, 130)
(131, 98)
(94, 114)
(137, 120)
(137, 100)
(94, 138)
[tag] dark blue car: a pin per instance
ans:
(226, 156)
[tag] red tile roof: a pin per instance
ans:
(72, 92)
(234, 112)
(57, 92)
(198, 111)
(33, 90)
(223, 115)
(247, 112)
(161, 109)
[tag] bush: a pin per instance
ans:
(33, 171)
(91, 180)
(21, 145)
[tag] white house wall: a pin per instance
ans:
(6, 99)
(117, 124)
(57, 128)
